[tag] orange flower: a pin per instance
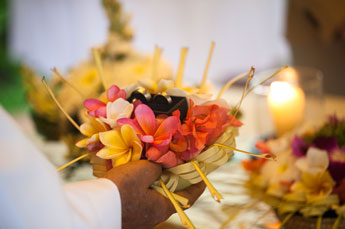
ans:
(203, 126)
(253, 165)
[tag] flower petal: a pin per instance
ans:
(148, 84)
(137, 150)
(168, 127)
(93, 104)
(146, 119)
(124, 159)
(87, 129)
(153, 154)
(132, 123)
(82, 143)
(112, 139)
(168, 160)
(128, 135)
(147, 138)
(325, 143)
(112, 93)
(164, 85)
(109, 153)
(119, 106)
(317, 160)
(101, 112)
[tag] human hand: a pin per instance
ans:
(143, 207)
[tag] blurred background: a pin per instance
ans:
(59, 33)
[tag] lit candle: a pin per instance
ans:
(286, 103)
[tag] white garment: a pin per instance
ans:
(32, 196)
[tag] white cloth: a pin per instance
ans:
(32, 196)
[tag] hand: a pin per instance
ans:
(143, 207)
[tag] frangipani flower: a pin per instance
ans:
(150, 130)
(120, 108)
(121, 145)
(316, 161)
(314, 185)
(97, 108)
(91, 130)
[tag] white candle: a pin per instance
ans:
(286, 103)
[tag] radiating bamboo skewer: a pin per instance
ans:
(59, 105)
(71, 162)
(183, 217)
(250, 77)
(267, 156)
(214, 193)
(268, 78)
(156, 60)
(57, 73)
(179, 77)
(99, 67)
(230, 83)
(204, 78)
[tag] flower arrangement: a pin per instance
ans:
(182, 128)
(309, 175)
(121, 65)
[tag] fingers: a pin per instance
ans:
(193, 192)
(166, 209)
(147, 172)
(140, 173)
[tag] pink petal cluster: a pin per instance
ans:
(155, 133)
(97, 108)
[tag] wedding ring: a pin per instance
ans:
(142, 94)
(162, 98)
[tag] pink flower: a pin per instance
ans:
(97, 108)
(156, 132)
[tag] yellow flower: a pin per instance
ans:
(314, 185)
(121, 145)
(91, 130)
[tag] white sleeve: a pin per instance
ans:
(32, 195)
(96, 203)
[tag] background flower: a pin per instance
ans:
(314, 185)
(337, 164)
(316, 161)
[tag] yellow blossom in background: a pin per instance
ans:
(134, 68)
(314, 185)
(37, 96)
(85, 78)
(121, 145)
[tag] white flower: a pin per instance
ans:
(120, 108)
(316, 161)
